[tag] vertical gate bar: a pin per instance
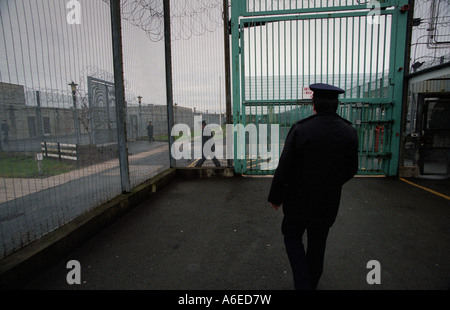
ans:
(285, 120)
(346, 57)
(236, 8)
(315, 51)
(353, 52)
(247, 54)
(357, 53)
(378, 56)
(328, 49)
(261, 65)
(296, 54)
(290, 45)
(267, 61)
(339, 53)
(228, 108)
(371, 59)
(363, 58)
(309, 52)
(392, 59)
(372, 116)
(363, 136)
(273, 60)
(324, 55)
(362, 142)
(384, 53)
(285, 57)
(258, 141)
(256, 61)
(324, 61)
(333, 28)
(261, 122)
(243, 110)
(279, 59)
(368, 131)
(303, 56)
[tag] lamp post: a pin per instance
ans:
(73, 87)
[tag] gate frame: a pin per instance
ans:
(399, 12)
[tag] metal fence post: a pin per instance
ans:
(226, 30)
(169, 93)
(404, 112)
(400, 24)
(39, 116)
(120, 94)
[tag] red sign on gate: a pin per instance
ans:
(307, 93)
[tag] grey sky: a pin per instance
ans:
(40, 50)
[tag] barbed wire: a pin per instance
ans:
(429, 46)
(188, 17)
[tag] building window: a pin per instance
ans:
(32, 126)
(46, 123)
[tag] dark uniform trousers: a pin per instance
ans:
(307, 267)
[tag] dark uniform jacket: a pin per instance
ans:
(319, 156)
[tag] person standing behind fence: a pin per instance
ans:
(204, 140)
(5, 131)
(319, 156)
(150, 132)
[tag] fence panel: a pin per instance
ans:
(57, 89)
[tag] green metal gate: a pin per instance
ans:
(281, 47)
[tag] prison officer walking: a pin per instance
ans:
(320, 155)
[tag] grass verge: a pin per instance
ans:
(27, 167)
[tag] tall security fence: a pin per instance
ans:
(68, 143)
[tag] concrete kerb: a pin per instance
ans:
(16, 268)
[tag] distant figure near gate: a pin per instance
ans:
(319, 156)
(204, 140)
(150, 132)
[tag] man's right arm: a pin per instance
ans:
(284, 170)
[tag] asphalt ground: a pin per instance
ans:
(221, 234)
